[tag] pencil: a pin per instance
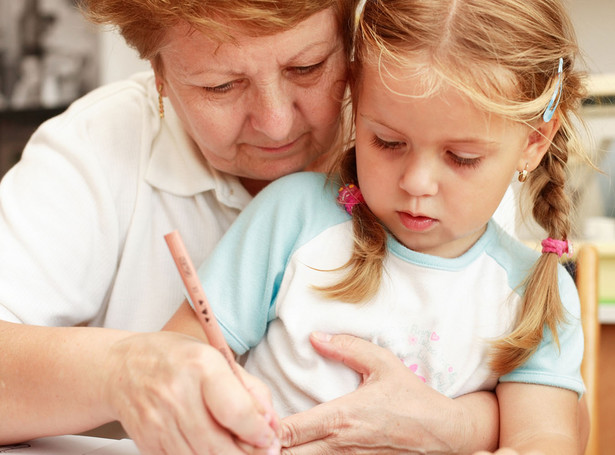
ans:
(207, 319)
(200, 304)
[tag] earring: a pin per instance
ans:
(523, 174)
(160, 101)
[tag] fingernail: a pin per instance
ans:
(275, 447)
(268, 418)
(268, 440)
(321, 336)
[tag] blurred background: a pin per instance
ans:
(49, 56)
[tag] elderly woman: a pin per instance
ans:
(242, 92)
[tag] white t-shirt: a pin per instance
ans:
(438, 315)
(84, 213)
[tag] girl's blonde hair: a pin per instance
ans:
(503, 55)
(143, 23)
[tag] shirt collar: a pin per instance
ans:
(176, 165)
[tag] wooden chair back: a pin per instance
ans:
(586, 278)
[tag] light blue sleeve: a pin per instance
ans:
(242, 276)
(550, 365)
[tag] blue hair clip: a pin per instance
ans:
(557, 94)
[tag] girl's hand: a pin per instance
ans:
(392, 411)
(175, 394)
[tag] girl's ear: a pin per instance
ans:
(539, 141)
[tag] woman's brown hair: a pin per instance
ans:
(143, 23)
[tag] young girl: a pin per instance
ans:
(452, 100)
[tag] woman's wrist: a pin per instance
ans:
(477, 422)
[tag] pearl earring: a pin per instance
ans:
(523, 174)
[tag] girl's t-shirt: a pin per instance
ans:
(437, 315)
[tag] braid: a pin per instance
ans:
(551, 202)
(541, 300)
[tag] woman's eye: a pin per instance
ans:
(303, 70)
(386, 145)
(222, 88)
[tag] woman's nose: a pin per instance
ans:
(273, 112)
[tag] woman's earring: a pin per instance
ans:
(160, 101)
(523, 174)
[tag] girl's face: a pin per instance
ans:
(259, 107)
(435, 169)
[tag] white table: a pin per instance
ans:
(72, 445)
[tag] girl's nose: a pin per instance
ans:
(419, 176)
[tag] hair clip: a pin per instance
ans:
(558, 247)
(349, 195)
(359, 12)
(557, 94)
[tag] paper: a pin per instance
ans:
(122, 447)
(72, 445)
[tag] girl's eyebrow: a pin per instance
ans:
(461, 140)
(378, 122)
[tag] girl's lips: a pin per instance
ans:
(416, 223)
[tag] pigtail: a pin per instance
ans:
(364, 274)
(542, 306)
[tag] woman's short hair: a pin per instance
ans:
(143, 23)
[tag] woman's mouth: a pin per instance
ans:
(277, 149)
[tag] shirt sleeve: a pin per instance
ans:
(58, 223)
(553, 366)
(243, 275)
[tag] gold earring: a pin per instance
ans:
(523, 174)
(160, 101)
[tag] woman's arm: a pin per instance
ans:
(171, 392)
(391, 412)
(49, 380)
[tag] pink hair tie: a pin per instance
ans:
(558, 247)
(349, 195)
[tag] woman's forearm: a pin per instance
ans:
(52, 379)
(480, 421)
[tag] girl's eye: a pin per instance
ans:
(461, 161)
(386, 145)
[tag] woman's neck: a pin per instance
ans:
(253, 186)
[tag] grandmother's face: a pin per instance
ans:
(259, 107)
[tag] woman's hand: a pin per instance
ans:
(392, 411)
(175, 394)
(504, 451)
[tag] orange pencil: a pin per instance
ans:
(207, 319)
(201, 306)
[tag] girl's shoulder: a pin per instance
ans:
(296, 207)
(299, 185)
(518, 258)
(303, 194)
